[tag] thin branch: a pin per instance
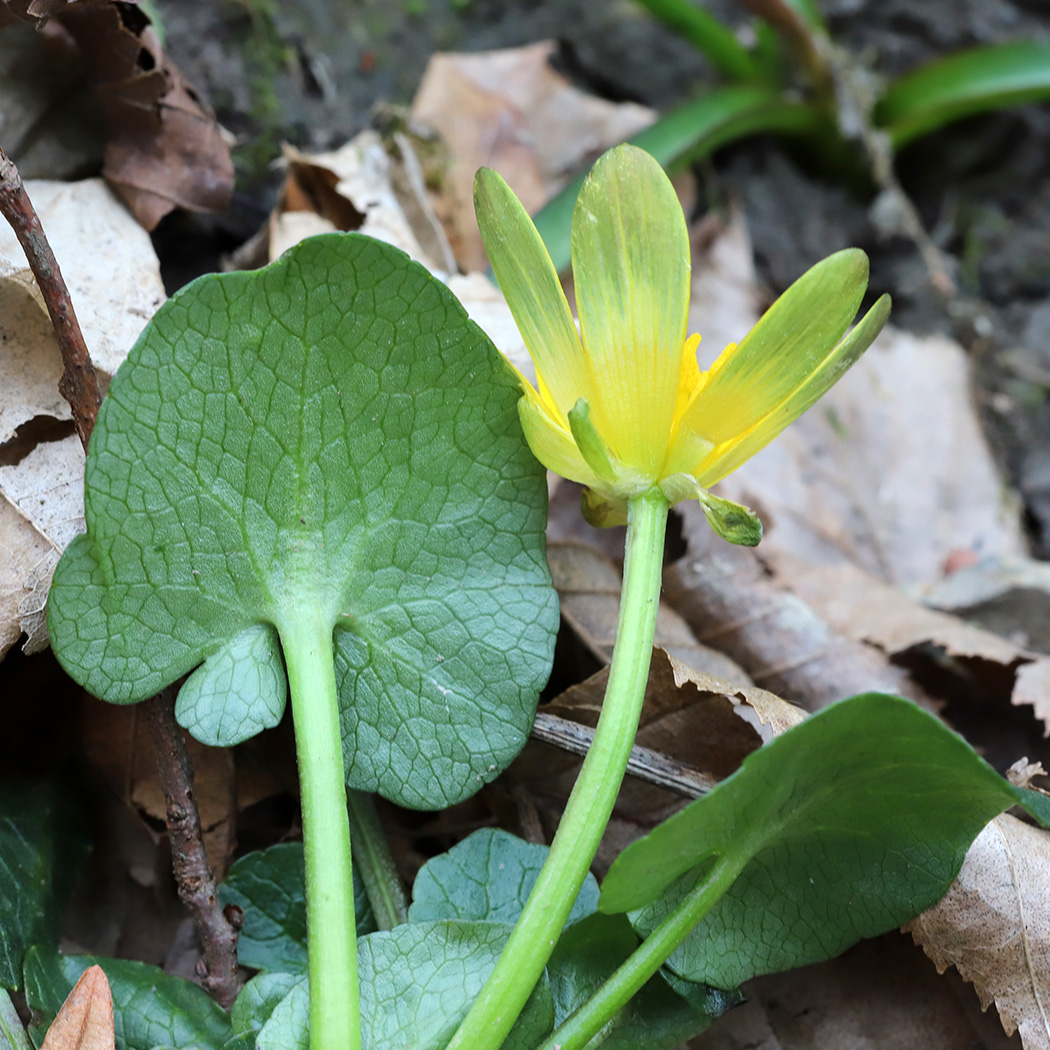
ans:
(79, 386)
(218, 964)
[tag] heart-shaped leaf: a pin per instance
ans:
(150, 1008)
(488, 876)
(327, 438)
(269, 886)
(417, 983)
(258, 999)
(845, 826)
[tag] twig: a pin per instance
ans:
(79, 386)
(217, 966)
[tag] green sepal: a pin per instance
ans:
(601, 511)
(732, 521)
(589, 441)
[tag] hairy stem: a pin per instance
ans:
(375, 864)
(577, 1031)
(591, 803)
(335, 1017)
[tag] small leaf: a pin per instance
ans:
(657, 1018)
(269, 886)
(85, 1021)
(487, 876)
(417, 983)
(41, 843)
(12, 1035)
(330, 433)
(258, 999)
(841, 828)
(150, 1008)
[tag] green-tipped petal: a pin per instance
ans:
(726, 459)
(793, 340)
(531, 287)
(732, 521)
(550, 444)
(630, 260)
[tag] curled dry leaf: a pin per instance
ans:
(114, 281)
(994, 926)
(85, 1021)
(509, 110)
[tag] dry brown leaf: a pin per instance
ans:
(729, 600)
(862, 608)
(509, 110)
(165, 149)
(994, 926)
(85, 1021)
(114, 279)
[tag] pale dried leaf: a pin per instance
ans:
(114, 281)
(509, 110)
(85, 1021)
(994, 926)
(863, 608)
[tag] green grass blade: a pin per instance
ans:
(963, 84)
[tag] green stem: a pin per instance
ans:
(579, 1029)
(335, 1022)
(375, 864)
(591, 803)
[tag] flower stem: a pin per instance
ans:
(375, 864)
(335, 1022)
(581, 1027)
(591, 803)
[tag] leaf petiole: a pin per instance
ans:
(591, 803)
(335, 1021)
(375, 865)
(577, 1030)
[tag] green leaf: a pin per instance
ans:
(684, 135)
(487, 876)
(150, 1008)
(330, 433)
(417, 983)
(962, 84)
(844, 827)
(12, 1034)
(657, 1018)
(41, 846)
(269, 886)
(258, 999)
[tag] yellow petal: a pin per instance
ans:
(792, 341)
(731, 454)
(630, 261)
(531, 287)
(552, 444)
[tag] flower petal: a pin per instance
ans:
(630, 261)
(794, 339)
(531, 287)
(552, 445)
(730, 455)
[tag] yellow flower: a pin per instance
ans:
(622, 406)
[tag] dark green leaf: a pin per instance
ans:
(417, 983)
(963, 84)
(269, 886)
(330, 432)
(150, 1008)
(845, 826)
(657, 1018)
(489, 875)
(1036, 803)
(41, 845)
(688, 133)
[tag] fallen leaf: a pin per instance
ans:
(113, 276)
(731, 601)
(509, 110)
(993, 925)
(85, 1021)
